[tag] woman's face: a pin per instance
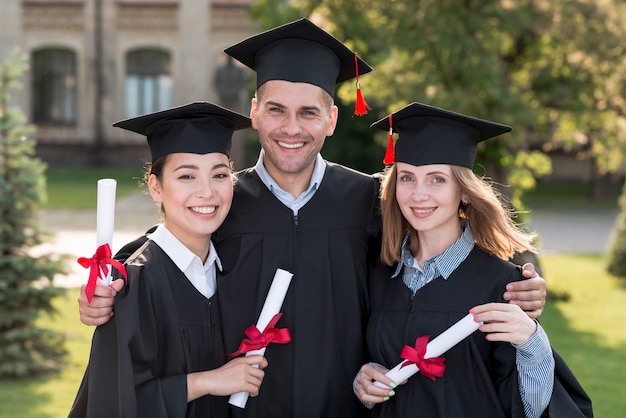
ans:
(429, 198)
(196, 192)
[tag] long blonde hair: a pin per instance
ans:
(490, 219)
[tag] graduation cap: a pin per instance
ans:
(301, 52)
(197, 128)
(430, 135)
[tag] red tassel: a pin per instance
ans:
(361, 106)
(389, 154)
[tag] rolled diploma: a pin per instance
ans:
(445, 341)
(271, 306)
(105, 216)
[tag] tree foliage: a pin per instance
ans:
(26, 287)
(553, 69)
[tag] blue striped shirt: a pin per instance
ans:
(535, 363)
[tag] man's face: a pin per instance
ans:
(293, 120)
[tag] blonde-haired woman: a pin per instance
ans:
(446, 242)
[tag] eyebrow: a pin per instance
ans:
(430, 173)
(187, 166)
(272, 103)
(309, 107)
(195, 167)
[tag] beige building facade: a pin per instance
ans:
(94, 62)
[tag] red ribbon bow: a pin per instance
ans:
(257, 339)
(428, 367)
(98, 265)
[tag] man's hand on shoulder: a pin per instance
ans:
(529, 294)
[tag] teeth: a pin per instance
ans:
(204, 209)
(423, 210)
(291, 146)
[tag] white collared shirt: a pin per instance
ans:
(201, 276)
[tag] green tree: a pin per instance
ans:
(26, 287)
(553, 69)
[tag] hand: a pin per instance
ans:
(242, 374)
(504, 322)
(101, 308)
(367, 391)
(530, 294)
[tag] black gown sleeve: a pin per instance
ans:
(123, 377)
(568, 396)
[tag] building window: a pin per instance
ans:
(54, 87)
(148, 82)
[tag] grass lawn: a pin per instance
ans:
(76, 188)
(51, 397)
(588, 330)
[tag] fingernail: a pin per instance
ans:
(392, 393)
(386, 398)
(392, 385)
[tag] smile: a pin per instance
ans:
(205, 210)
(291, 146)
(423, 211)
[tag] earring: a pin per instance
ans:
(464, 202)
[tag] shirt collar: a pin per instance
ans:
(178, 252)
(445, 262)
(316, 178)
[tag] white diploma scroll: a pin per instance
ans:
(272, 306)
(105, 217)
(445, 341)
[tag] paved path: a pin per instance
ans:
(573, 230)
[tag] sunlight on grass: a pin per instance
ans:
(51, 397)
(597, 301)
(589, 329)
(76, 188)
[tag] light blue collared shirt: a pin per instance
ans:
(534, 360)
(416, 277)
(201, 276)
(286, 198)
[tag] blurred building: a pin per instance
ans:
(93, 62)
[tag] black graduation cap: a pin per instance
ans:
(197, 128)
(299, 52)
(430, 135)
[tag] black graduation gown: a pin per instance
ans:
(480, 378)
(163, 329)
(326, 307)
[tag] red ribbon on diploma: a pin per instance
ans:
(428, 367)
(98, 265)
(257, 339)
